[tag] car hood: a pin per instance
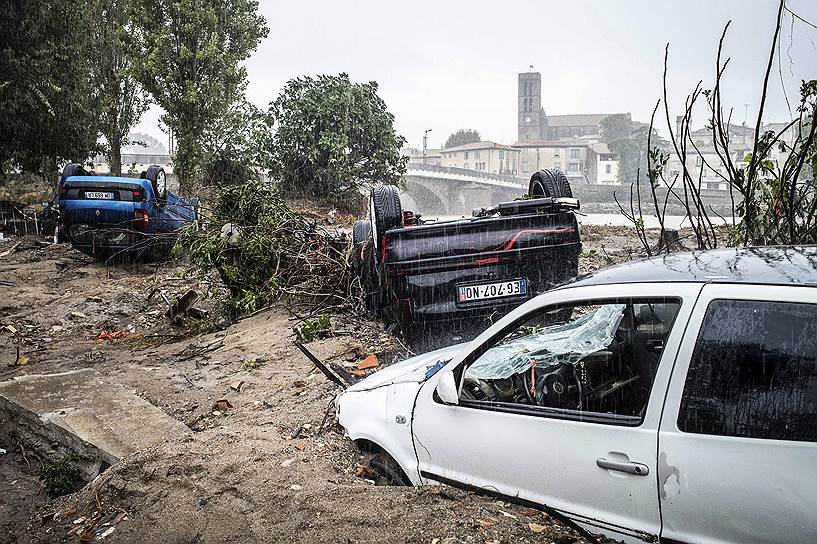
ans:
(410, 370)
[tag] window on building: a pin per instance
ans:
(501, 154)
(574, 167)
(608, 169)
(557, 165)
(575, 153)
(556, 153)
(753, 373)
(466, 154)
(476, 154)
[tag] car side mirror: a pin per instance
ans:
(447, 388)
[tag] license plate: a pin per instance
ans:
(98, 196)
(483, 291)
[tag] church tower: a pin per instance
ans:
(531, 115)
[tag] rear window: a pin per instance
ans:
(753, 373)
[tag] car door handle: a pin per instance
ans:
(630, 468)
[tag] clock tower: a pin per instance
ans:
(532, 122)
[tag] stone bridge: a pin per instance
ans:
(455, 191)
(439, 190)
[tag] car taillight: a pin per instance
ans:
(141, 220)
(63, 190)
(384, 249)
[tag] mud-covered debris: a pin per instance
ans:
(536, 528)
(222, 405)
(182, 304)
(237, 385)
(78, 315)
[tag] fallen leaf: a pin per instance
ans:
(300, 447)
(23, 361)
(530, 512)
(299, 383)
(485, 523)
(536, 528)
(368, 362)
(357, 372)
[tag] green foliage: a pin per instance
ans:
(630, 145)
(333, 138)
(121, 100)
(463, 136)
(248, 365)
(264, 251)
(312, 329)
(234, 144)
(46, 99)
(62, 476)
(615, 127)
(188, 54)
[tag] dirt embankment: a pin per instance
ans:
(261, 469)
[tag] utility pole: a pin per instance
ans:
(425, 144)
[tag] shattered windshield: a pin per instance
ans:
(563, 342)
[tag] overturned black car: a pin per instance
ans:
(417, 272)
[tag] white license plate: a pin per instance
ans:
(98, 196)
(511, 288)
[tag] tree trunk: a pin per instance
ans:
(115, 158)
(187, 161)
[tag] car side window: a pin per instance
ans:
(753, 373)
(590, 361)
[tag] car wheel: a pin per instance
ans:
(549, 182)
(389, 470)
(73, 169)
(361, 232)
(158, 178)
(386, 209)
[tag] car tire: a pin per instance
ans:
(549, 182)
(386, 209)
(389, 470)
(156, 175)
(361, 232)
(73, 169)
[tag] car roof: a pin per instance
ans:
(773, 265)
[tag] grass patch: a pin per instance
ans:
(62, 477)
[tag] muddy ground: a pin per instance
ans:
(263, 470)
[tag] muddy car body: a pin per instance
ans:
(669, 399)
(419, 272)
(106, 215)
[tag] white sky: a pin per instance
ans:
(450, 65)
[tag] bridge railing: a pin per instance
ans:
(431, 168)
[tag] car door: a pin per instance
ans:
(595, 467)
(738, 438)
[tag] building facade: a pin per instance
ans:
(485, 156)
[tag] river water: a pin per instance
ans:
(616, 219)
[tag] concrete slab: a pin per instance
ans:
(82, 413)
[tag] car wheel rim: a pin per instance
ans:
(161, 183)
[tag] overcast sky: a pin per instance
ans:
(450, 65)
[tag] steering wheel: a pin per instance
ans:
(555, 386)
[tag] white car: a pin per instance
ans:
(671, 399)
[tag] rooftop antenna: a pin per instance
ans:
(745, 113)
(530, 68)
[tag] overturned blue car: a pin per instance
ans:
(134, 218)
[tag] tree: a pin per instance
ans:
(463, 136)
(46, 101)
(630, 145)
(121, 99)
(333, 138)
(235, 143)
(188, 55)
(139, 142)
